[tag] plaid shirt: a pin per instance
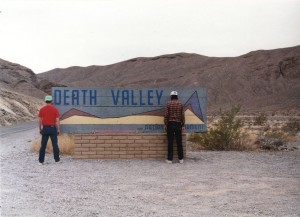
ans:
(174, 112)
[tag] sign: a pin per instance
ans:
(125, 110)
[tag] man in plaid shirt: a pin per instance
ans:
(174, 124)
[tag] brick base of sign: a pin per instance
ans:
(137, 146)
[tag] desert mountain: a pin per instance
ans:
(21, 93)
(23, 80)
(264, 80)
(16, 107)
(260, 81)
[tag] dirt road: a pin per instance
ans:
(207, 184)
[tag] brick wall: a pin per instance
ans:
(137, 146)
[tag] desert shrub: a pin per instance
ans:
(275, 133)
(194, 142)
(272, 139)
(260, 120)
(65, 144)
(278, 138)
(292, 126)
(225, 134)
(194, 137)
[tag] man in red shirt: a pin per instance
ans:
(174, 124)
(49, 127)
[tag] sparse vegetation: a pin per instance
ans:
(278, 137)
(272, 138)
(65, 144)
(292, 126)
(260, 120)
(226, 134)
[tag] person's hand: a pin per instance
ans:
(165, 128)
(41, 132)
(58, 132)
(182, 130)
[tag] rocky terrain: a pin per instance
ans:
(21, 93)
(16, 107)
(17, 78)
(260, 81)
(266, 81)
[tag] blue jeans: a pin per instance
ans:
(174, 128)
(51, 132)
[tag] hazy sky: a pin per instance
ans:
(47, 34)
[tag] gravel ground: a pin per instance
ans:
(207, 184)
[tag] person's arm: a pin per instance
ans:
(40, 125)
(57, 122)
(166, 117)
(182, 120)
(57, 125)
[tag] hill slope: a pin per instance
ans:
(265, 80)
(21, 93)
(23, 80)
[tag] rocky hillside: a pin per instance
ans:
(264, 80)
(21, 93)
(23, 80)
(16, 107)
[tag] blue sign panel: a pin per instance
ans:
(125, 110)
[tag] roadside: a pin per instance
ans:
(207, 184)
(24, 126)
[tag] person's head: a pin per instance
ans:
(174, 95)
(48, 99)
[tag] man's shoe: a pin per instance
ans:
(181, 161)
(57, 160)
(41, 164)
(168, 161)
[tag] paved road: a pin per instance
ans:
(10, 136)
(25, 126)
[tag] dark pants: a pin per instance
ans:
(52, 133)
(174, 128)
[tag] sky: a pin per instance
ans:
(47, 34)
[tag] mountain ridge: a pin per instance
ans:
(263, 80)
(260, 81)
